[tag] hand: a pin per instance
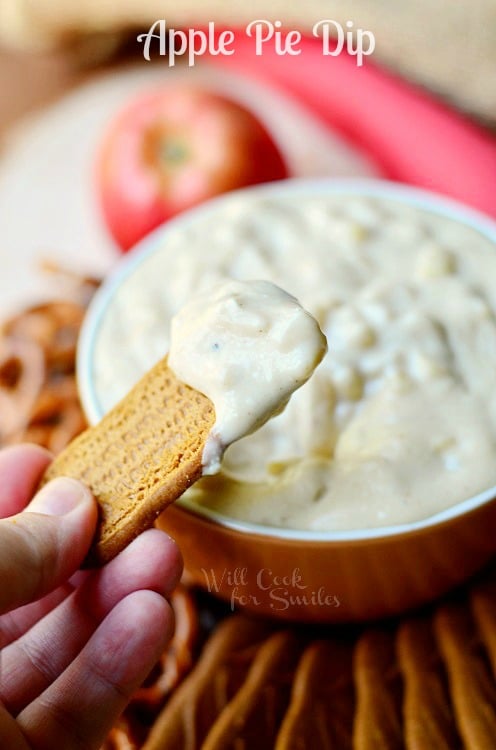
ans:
(74, 645)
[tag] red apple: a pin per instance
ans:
(173, 148)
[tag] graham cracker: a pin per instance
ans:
(140, 458)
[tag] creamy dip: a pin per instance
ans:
(399, 420)
(247, 345)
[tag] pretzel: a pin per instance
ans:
(54, 326)
(38, 395)
(122, 736)
(22, 373)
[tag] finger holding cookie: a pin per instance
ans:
(65, 645)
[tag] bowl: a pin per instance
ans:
(313, 576)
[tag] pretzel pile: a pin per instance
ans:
(38, 395)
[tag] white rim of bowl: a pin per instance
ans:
(153, 242)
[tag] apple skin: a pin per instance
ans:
(173, 148)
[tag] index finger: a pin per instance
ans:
(21, 469)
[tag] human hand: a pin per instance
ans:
(74, 646)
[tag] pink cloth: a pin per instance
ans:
(413, 137)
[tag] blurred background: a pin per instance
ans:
(448, 47)
(421, 110)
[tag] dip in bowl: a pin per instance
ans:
(373, 491)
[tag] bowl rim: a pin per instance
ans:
(415, 197)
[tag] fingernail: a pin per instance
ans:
(59, 497)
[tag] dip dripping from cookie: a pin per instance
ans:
(247, 346)
(237, 354)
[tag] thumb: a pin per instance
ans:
(44, 545)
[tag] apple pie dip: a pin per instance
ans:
(399, 420)
(247, 346)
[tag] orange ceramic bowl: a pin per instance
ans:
(315, 576)
(337, 577)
